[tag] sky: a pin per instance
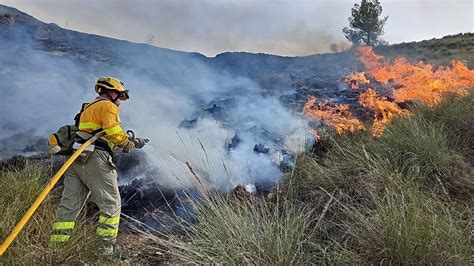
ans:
(210, 27)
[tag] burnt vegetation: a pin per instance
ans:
(404, 197)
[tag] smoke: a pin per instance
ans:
(229, 115)
(38, 90)
(277, 27)
(222, 109)
(209, 27)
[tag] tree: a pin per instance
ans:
(150, 38)
(366, 24)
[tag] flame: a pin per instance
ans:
(338, 115)
(318, 136)
(405, 82)
(356, 79)
(368, 58)
(384, 110)
(420, 81)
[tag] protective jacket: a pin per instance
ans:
(102, 113)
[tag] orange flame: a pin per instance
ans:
(367, 56)
(356, 79)
(406, 82)
(338, 116)
(420, 81)
(384, 110)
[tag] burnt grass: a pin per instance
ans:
(403, 198)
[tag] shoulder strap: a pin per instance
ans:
(87, 105)
(84, 106)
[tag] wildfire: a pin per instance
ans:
(367, 56)
(420, 81)
(384, 110)
(405, 82)
(356, 79)
(338, 115)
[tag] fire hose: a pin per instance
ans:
(45, 192)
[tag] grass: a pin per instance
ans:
(455, 117)
(234, 231)
(19, 188)
(407, 227)
(403, 198)
(435, 51)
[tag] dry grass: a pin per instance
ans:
(18, 189)
(403, 198)
(236, 231)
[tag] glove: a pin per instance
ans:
(128, 147)
(140, 142)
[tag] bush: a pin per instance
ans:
(403, 198)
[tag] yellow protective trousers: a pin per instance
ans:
(96, 177)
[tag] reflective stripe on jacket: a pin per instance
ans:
(105, 115)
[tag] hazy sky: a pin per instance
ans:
(291, 27)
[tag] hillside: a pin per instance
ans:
(436, 51)
(403, 198)
(340, 158)
(76, 58)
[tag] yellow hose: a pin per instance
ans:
(45, 192)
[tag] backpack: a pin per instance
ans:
(62, 141)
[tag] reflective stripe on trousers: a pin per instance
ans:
(62, 231)
(107, 228)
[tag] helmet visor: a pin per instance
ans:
(124, 95)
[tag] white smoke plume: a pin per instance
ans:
(42, 91)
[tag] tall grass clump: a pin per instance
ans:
(404, 197)
(456, 116)
(429, 151)
(241, 231)
(19, 187)
(405, 226)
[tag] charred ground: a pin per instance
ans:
(348, 219)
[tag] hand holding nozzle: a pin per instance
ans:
(139, 142)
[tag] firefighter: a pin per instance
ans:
(94, 173)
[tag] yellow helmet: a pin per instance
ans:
(113, 84)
